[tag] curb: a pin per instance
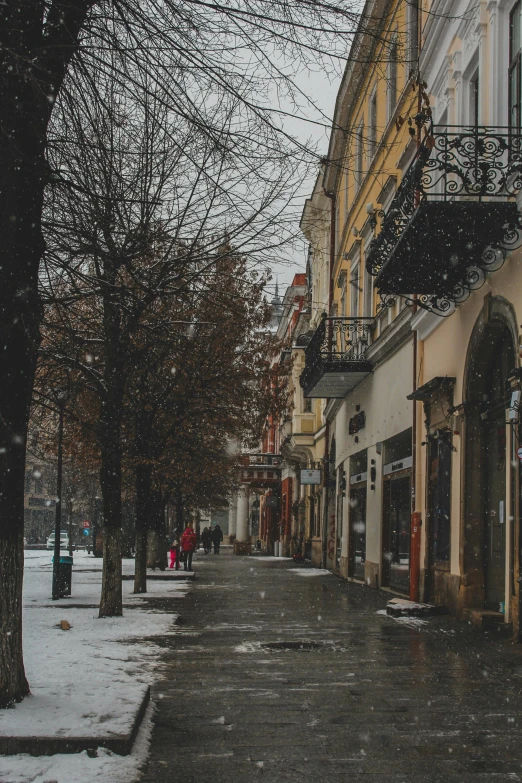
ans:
(162, 577)
(48, 746)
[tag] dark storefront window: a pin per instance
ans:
(439, 490)
(357, 511)
(397, 511)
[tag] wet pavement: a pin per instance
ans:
(281, 676)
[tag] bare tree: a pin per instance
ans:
(212, 62)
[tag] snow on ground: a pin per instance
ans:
(86, 681)
(311, 571)
(270, 557)
(79, 767)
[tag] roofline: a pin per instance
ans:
(348, 93)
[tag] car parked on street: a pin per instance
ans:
(64, 540)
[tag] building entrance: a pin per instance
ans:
(396, 512)
(357, 511)
(494, 507)
(396, 532)
(488, 394)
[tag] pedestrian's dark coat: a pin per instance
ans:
(217, 534)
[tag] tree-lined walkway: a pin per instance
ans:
(357, 696)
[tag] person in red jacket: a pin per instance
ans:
(188, 545)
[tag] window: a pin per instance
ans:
(343, 294)
(28, 478)
(474, 99)
(307, 405)
(413, 35)
(514, 68)
(346, 185)
(354, 289)
(372, 125)
(391, 82)
(368, 294)
(359, 156)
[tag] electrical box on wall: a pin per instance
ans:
(514, 405)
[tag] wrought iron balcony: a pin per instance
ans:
(261, 459)
(335, 357)
(453, 219)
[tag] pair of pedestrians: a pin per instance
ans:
(182, 551)
(212, 537)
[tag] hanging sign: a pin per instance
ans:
(310, 476)
(519, 454)
(357, 423)
(400, 464)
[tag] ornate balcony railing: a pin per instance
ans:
(335, 356)
(261, 460)
(453, 219)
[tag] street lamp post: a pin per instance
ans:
(58, 512)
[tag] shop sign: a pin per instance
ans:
(357, 423)
(519, 454)
(359, 477)
(310, 476)
(400, 464)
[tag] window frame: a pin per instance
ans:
(514, 68)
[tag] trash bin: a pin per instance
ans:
(65, 565)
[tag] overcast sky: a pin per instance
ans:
(322, 89)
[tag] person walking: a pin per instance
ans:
(205, 540)
(174, 554)
(217, 538)
(188, 545)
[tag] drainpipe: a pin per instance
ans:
(326, 468)
(416, 520)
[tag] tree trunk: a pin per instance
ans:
(179, 513)
(143, 491)
(157, 543)
(111, 598)
(110, 475)
(110, 443)
(22, 185)
(27, 87)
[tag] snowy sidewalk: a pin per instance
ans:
(89, 681)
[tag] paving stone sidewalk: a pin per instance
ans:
(279, 676)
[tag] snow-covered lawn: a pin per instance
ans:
(86, 681)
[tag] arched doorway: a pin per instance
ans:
(491, 361)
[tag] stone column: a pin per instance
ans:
(232, 516)
(242, 534)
